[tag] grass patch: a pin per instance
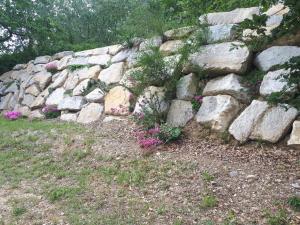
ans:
(206, 176)
(209, 201)
(61, 193)
(278, 218)
(18, 211)
(294, 202)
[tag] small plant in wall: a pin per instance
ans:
(196, 102)
(51, 112)
(51, 67)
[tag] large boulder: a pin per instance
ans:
(90, 113)
(179, 33)
(4, 101)
(274, 81)
(56, 97)
(69, 117)
(234, 16)
(102, 60)
(33, 90)
(81, 87)
(275, 123)
(152, 97)
(72, 81)
(217, 112)
(12, 88)
(43, 79)
(28, 99)
(42, 59)
(274, 56)
(96, 95)
(73, 103)
(87, 72)
(295, 135)
(243, 125)
(180, 113)
(112, 74)
(149, 43)
(223, 58)
(222, 32)
(118, 101)
(60, 80)
(187, 87)
(171, 47)
(227, 85)
(40, 100)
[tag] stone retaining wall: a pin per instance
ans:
(227, 104)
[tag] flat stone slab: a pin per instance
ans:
(56, 97)
(112, 74)
(69, 117)
(96, 95)
(187, 87)
(180, 113)
(222, 58)
(171, 47)
(227, 85)
(90, 113)
(217, 112)
(275, 56)
(73, 103)
(234, 16)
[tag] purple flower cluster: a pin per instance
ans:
(50, 109)
(12, 115)
(51, 66)
(198, 98)
(148, 138)
(149, 142)
(121, 110)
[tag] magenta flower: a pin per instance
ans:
(49, 109)
(154, 131)
(51, 67)
(198, 98)
(12, 115)
(149, 142)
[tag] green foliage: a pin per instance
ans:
(169, 133)
(294, 202)
(93, 84)
(60, 193)
(206, 176)
(209, 201)
(278, 218)
(18, 211)
(72, 68)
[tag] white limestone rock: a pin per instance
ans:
(179, 33)
(36, 114)
(43, 79)
(40, 100)
(112, 74)
(96, 95)
(90, 113)
(222, 58)
(295, 135)
(74, 103)
(274, 56)
(275, 123)
(217, 112)
(127, 79)
(171, 47)
(154, 97)
(64, 62)
(33, 90)
(102, 60)
(227, 85)
(180, 113)
(42, 59)
(232, 17)
(60, 55)
(149, 43)
(28, 99)
(114, 49)
(79, 61)
(187, 87)
(20, 67)
(69, 117)
(56, 97)
(222, 32)
(4, 101)
(123, 55)
(60, 80)
(274, 81)
(72, 81)
(81, 87)
(12, 88)
(92, 52)
(243, 125)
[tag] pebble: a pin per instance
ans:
(233, 173)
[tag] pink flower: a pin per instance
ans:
(149, 142)
(154, 131)
(51, 66)
(12, 115)
(198, 98)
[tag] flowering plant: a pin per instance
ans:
(51, 112)
(196, 102)
(12, 115)
(51, 67)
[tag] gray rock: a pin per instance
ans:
(102, 60)
(152, 42)
(92, 52)
(42, 59)
(274, 81)
(43, 79)
(36, 114)
(60, 80)
(243, 125)
(122, 55)
(295, 135)
(217, 112)
(74, 103)
(28, 99)
(33, 90)
(64, 62)
(96, 95)
(81, 61)
(227, 85)
(61, 55)
(90, 113)
(20, 67)
(222, 58)
(72, 81)
(114, 49)
(223, 32)
(112, 74)
(12, 88)
(69, 117)
(234, 16)
(274, 56)
(275, 123)
(179, 33)
(180, 113)
(171, 47)
(4, 101)
(171, 63)
(127, 79)
(56, 97)
(187, 87)
(81, 87)
(40, 100)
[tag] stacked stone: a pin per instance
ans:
(226, 104)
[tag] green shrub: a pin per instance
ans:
(294, 202)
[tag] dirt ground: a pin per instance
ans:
(98, 175)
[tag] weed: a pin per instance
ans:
(60, 193)
(209, 201)
(206, 176)
(278, 218)
(294, 202)
(18, 211)
(161, 210)
(76, 67)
